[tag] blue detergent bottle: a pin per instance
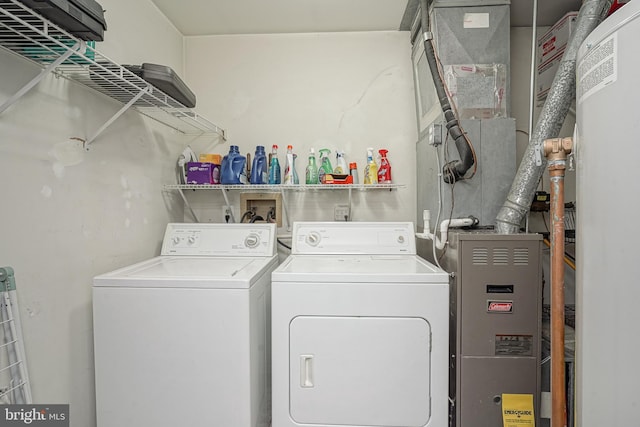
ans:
(233, 167)
(259, 167)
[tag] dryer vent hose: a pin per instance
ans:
(457, 169)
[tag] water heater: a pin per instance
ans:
(607, 291)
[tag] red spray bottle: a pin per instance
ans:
(384, 171)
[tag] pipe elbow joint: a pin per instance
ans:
(451, 172)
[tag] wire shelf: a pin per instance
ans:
(570, 223)
(281, 187)
(15, 387)
(33, 37)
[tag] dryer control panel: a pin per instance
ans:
(376, 238)
(220, 239)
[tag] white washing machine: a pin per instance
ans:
(360, 329)
(183, 339)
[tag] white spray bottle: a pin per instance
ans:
(341, 163)
(289, 167)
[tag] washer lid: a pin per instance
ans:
(189, 272)
(359, 269)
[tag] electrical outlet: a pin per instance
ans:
(261, 207)
(435, 134)
(228, 213)
(341, 213)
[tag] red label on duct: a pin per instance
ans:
(500, 306)
(549, 45)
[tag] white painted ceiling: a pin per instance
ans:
(199, 17)
(208, 17)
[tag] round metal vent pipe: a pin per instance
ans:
(552, 117)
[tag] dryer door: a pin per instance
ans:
(364, 371)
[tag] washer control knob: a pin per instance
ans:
(175, 240)
(401, 239)
(191, 239)
(252, 240)
(313, 238)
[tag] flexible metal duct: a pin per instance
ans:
(552, 117)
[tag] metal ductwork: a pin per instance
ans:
(552, 117)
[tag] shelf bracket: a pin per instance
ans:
(188, 205)
(285, 205)
(115, 117)
(78, 47)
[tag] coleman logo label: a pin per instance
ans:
(500, 306)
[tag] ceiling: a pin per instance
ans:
(215, 17)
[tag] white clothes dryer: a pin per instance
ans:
(360, 329)
(183, 339)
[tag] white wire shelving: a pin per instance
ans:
(282, 189)
(29, 35)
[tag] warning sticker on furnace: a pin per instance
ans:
(514, 345)
(517, 410)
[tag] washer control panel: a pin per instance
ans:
(354, 238)
(220, 239)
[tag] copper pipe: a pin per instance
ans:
(556, 151)
(567, 260)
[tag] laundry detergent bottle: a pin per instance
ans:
(274, 167)
(341, 163)
(311, 175)
(259, 167)
(233, 169)
(384, 171)
(371, 169)
(325, 164)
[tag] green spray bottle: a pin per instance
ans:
(325, 164)
(312, 169)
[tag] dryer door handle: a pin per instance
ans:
(306, 370)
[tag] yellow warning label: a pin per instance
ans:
(517, 410)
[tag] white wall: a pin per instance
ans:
(343, 91)
(138, 32)
(68, 215)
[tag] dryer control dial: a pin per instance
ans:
(252, 241)
(313, 238)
